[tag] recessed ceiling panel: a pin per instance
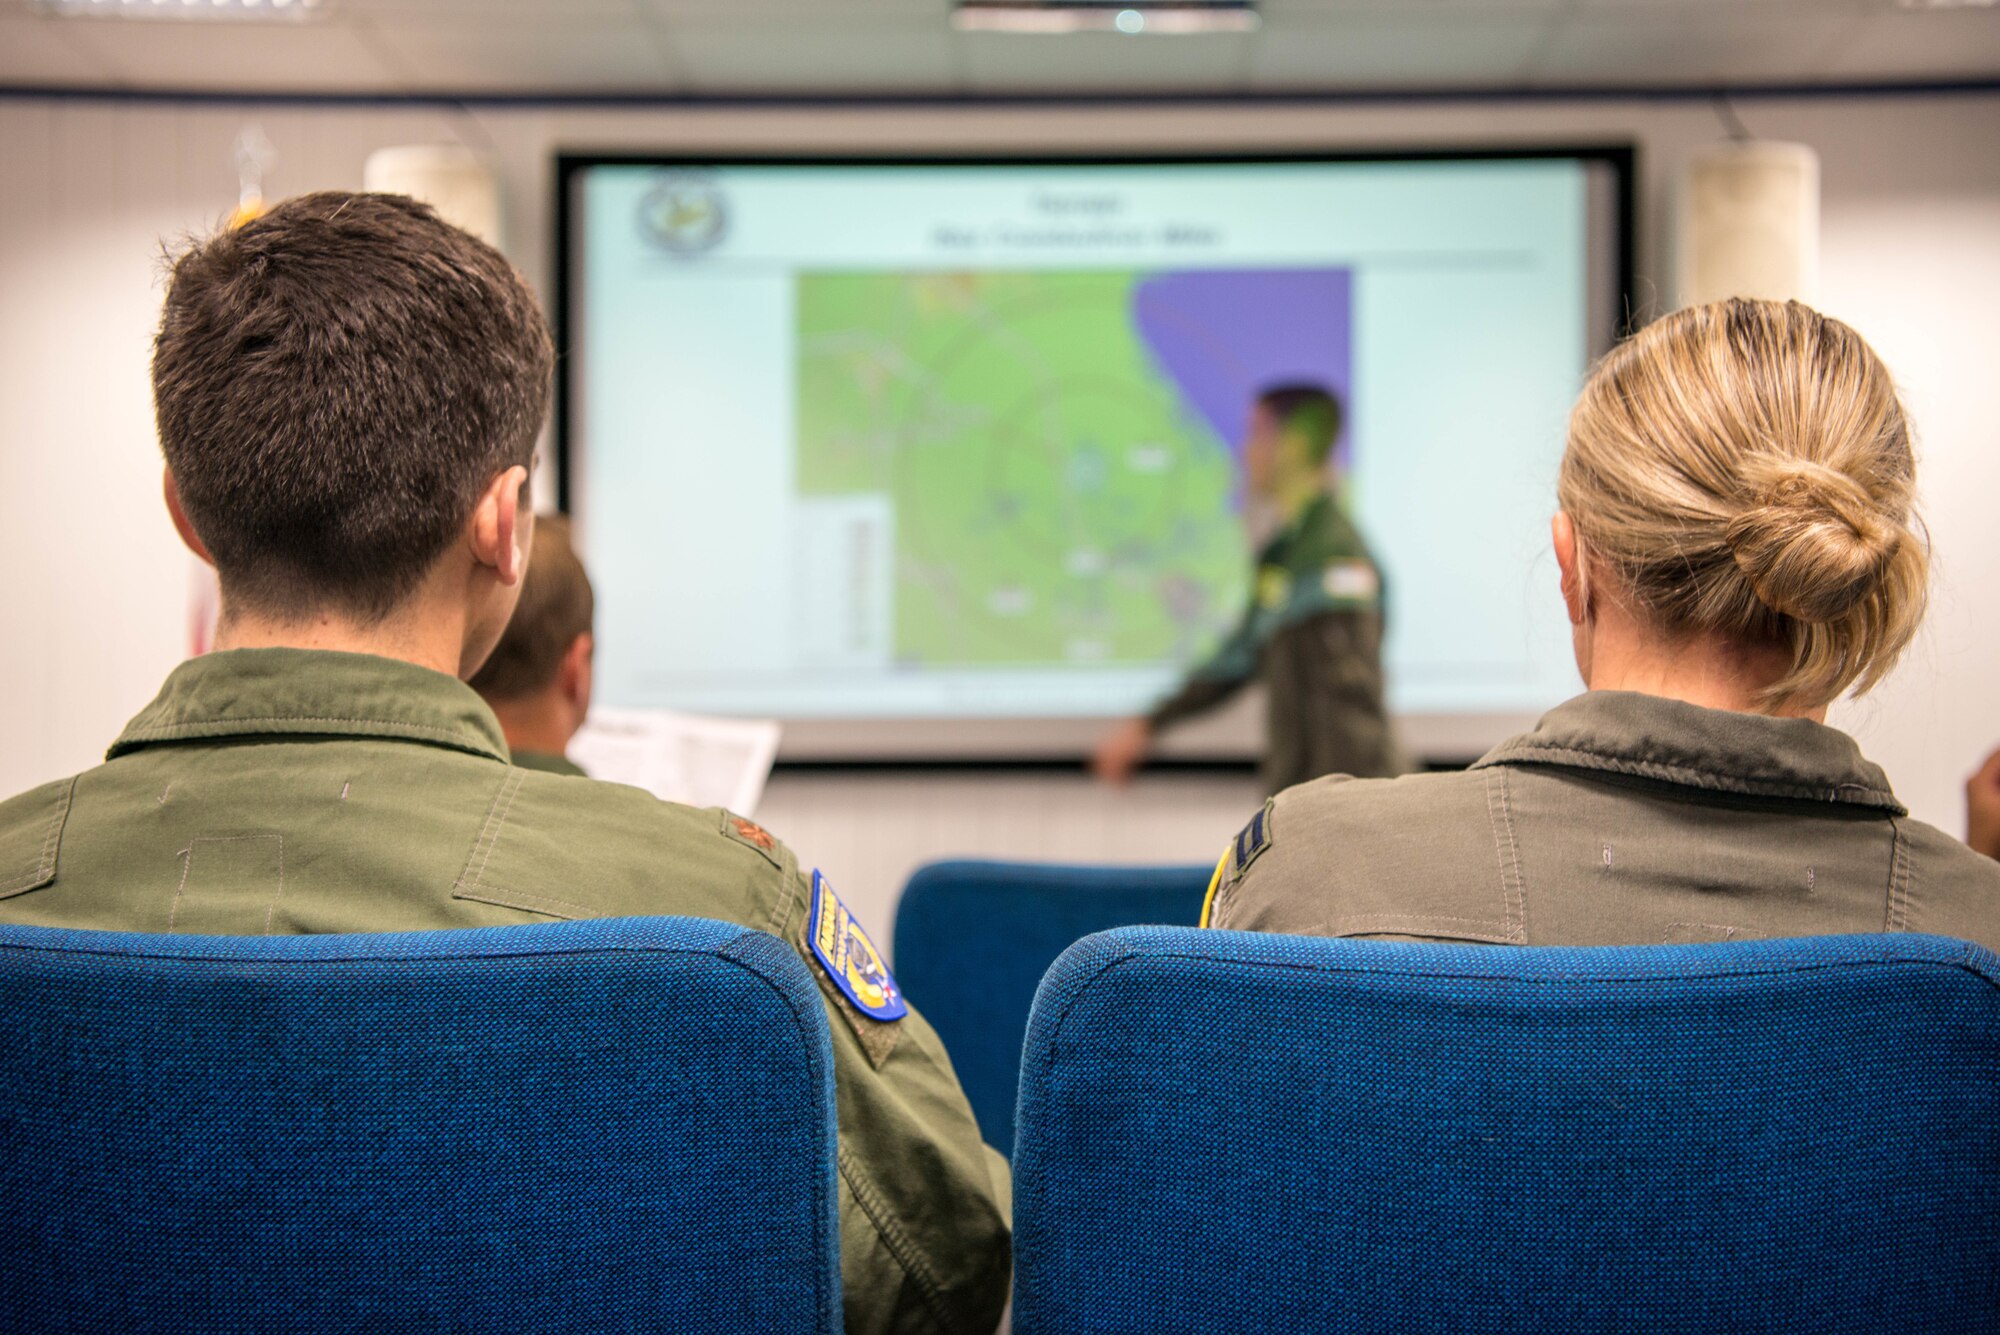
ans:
(890, 56)
(529, 55)
(1377, 53)
(320, 55)
(1105, 62)
(1719, 47)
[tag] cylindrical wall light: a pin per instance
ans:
(1750, 223)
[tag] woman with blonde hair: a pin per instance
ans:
(1738, 549)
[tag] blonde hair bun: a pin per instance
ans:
(1744, 469)
(1812, 542)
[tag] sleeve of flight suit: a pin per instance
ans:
(924, 1203)
(1327, 713)
(1217, 679)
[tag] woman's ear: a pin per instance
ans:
(1569, 560)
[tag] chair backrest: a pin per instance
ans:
(611, 1125)
(1221, 1131)
(973, 940)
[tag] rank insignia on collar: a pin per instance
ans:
(849, 957)
(1251, 840)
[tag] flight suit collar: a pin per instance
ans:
(313, 692)
(1716, 749)
(1279, 544)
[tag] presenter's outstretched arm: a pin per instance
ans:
(1228, 670)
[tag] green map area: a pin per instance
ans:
(1053, 503)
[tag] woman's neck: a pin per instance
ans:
(1701, 669)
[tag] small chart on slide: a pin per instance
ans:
(1047, 459)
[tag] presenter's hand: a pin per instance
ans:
(1121, 751)
(1982, 808)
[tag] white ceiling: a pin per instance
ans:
(796, 47)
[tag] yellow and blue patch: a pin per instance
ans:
(1251, 840)
(850, 958)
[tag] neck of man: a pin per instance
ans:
(543, 722)
(429, 628)
(1701, 669)
(1293, 496)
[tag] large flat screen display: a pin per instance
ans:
(936, 458)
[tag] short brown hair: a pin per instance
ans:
(556, 606)
(335, 383)
(1312, 410)
(1745, 468)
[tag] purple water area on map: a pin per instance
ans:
(1223, 334)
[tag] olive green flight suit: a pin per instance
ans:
(548, 762)
(271, 791)
(1313, 635)
(1621, 819)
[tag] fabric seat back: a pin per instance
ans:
(973, 940)
(1224, 1131)
(609, 1125)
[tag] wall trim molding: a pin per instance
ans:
(642, 100)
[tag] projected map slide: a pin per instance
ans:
(1048, 455)
(945, 442)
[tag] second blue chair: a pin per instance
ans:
(1226, 1132)
(974, 938)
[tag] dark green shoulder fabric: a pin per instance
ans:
(31, 827)
(548, 762)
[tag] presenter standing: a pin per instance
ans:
(1312, 633)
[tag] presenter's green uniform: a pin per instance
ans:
(271, 791)
(1312, 635)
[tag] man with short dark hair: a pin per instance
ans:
(537, 679)
(349, 392)
(1312, 633)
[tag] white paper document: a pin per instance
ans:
(704, 762)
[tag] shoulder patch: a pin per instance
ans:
(849, 958)
(1354, 581)
(1251, 841)
(752, 835)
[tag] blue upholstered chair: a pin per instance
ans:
(1228, 1132)
(973, 940)
(614, 1125)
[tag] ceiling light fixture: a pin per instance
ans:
(207, 11)
(1176, 17)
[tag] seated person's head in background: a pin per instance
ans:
(1293, 428)
(1736, 512)
(538, 677)
(348, 393)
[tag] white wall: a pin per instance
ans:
(97, 599)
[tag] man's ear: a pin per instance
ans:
(193, 540)
(1569, 560)
(502, 526)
